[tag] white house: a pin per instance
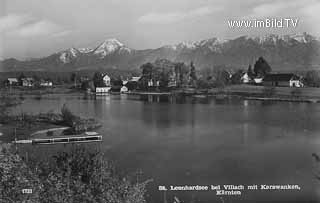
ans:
(124, 82)
(102, 90)
(150, 83)
(12, 81)
(46, 83)
(258, 80)
(245, 78)
(123, 89)
(27, 82)
(296, 82)
(107, 80)
(135, 79)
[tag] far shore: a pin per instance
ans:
(250, 92)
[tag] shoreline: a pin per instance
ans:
(224, 96)
(250, 92)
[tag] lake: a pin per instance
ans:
(204, 141)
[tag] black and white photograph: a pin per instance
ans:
(149, 101)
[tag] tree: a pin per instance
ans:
(221, 76)
(98, 80)
(261, 67)
(193, 75)
(236, 77)
(15, 176)
(73, 78)
(82, 175)
(36, 78)
(87, 84)
(147, 70)
(250, 72)
(312, 79)
(21, 76)
(147, 74)
(181, 71)
(203, 83)
(76, 175)
(132, 85)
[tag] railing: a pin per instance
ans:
(61, 140)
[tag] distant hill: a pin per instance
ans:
(287, 52)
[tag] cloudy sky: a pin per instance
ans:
(35, 28)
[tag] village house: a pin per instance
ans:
(283, 80)
(245, 78)
(150, 83)
(107, 80)
(153, 83)
(124, 82)
(27, 82)
(172, 80)
(12, 81)
(258, 81)
(102, 90)
(124, 89)
(132, 84)
(45, 83)
(135, 79)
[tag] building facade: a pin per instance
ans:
(282, 80)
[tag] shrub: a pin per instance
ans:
(15, 176)
(80, 175)
(67, 116)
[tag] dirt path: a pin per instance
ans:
(49, 130)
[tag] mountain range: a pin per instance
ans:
(282, 52)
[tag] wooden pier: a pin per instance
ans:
(61, 140)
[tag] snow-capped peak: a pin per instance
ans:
(187, 45)
(73, 51)
(272, 38)
(85, 50)
(212, 44)
(109, 46)
(69, 54)
(303, 38)
(182, 45)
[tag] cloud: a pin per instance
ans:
(61, 34)
(27, 26)
(40, 28)
(311, 15)
(279, 8)
(173, 17)
(13, 21)
(307, 11)
(268, 9)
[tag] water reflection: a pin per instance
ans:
(204, 140)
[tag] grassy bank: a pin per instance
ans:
(22, 126)
(38, 91)
(306, 94)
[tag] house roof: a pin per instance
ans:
(280, 77)
(13, 79)
(136, 79)
(106, 77)
(27, 79)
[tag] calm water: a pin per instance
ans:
(203, 141)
